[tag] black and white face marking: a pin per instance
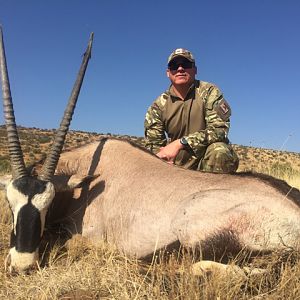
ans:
(29, 199)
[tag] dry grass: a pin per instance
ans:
(83, 271)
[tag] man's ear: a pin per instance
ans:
(168, 73)
(4, 181)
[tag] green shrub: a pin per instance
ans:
(44, 139)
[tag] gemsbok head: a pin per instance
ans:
(29, 197)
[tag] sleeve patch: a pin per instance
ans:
(223, 110)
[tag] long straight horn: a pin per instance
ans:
(14, 147)
(58, 143)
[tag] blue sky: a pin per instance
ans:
(250, 49)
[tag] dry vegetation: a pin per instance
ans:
(35, 143)
(82, 271)
(281, 164)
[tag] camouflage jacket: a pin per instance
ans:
(202, 118)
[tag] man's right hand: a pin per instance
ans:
(170, 151)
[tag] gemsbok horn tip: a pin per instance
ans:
(89, 49)
(91, 36)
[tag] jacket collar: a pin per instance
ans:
(190, 93)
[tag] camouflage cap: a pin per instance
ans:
(181, 52)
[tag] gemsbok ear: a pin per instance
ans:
(4, 181)
(63, 183)
(77, 181)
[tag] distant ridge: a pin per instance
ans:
(35, 143)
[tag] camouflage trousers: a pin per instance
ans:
(219, 158)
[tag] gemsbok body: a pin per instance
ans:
(143, 204)
(116, 191)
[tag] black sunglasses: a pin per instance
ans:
(173, 66)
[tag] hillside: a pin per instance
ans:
(35, 143)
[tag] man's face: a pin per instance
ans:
(181, 71)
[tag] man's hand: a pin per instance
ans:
(170, 151)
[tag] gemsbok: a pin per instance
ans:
(116, 191)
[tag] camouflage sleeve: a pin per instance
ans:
(154, 129)
(217, 114)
